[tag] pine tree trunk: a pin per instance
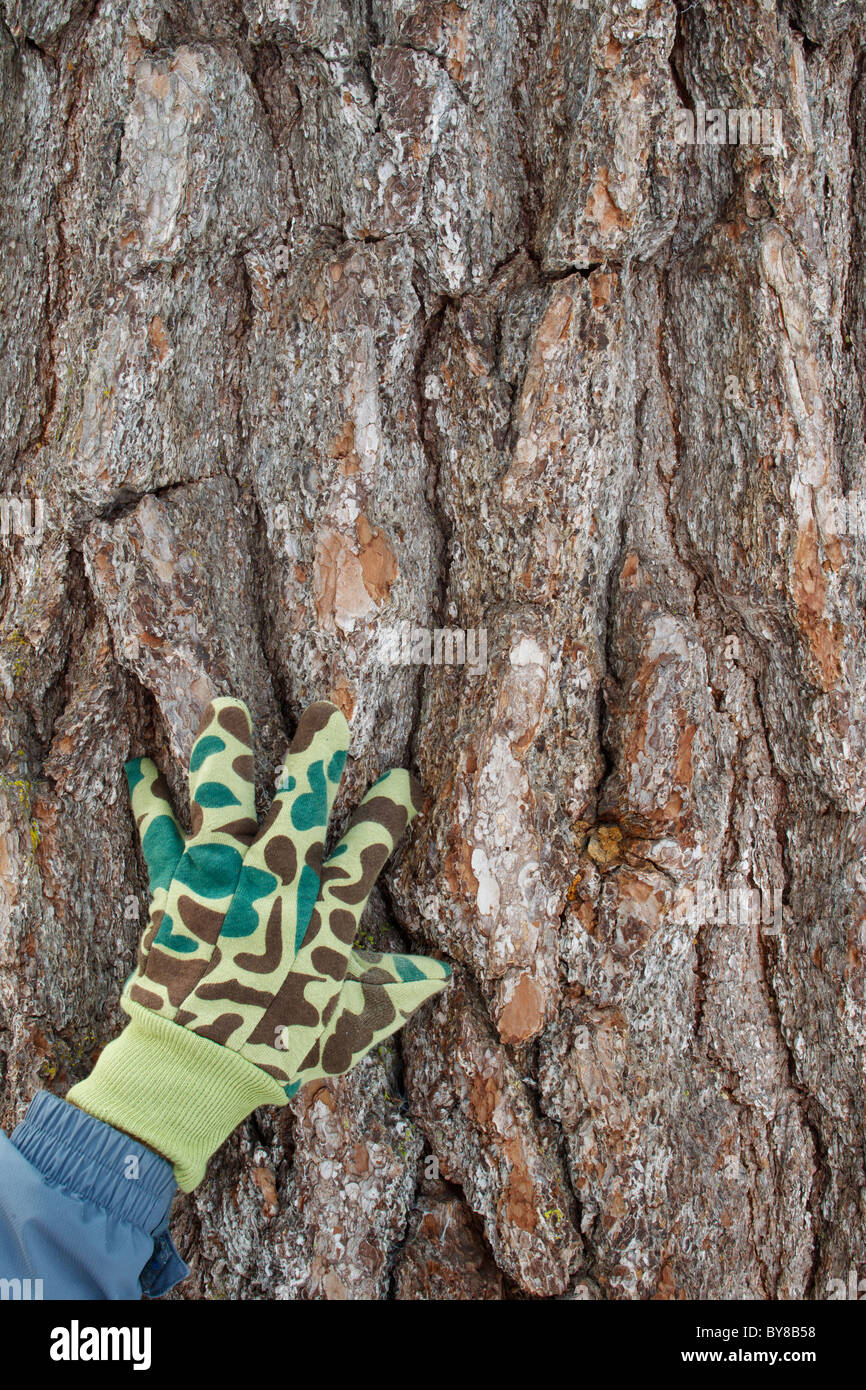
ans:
(331, 325)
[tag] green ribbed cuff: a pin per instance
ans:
(180, 1093)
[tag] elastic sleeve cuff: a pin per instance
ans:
(76, 1153)
(174, 1090)
(96, 1166)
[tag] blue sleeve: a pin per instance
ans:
(83, 1209)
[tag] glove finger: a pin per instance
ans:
(222, 791)
(160, 835)
(373, 967)
(308, 991)
(278, 885)
(370, 1008)
(285, 859)
(351, 870)
(310, 780)
(182, 932)
(162, 841)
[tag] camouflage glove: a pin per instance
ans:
(247, 984)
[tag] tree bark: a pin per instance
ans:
(324, 319)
